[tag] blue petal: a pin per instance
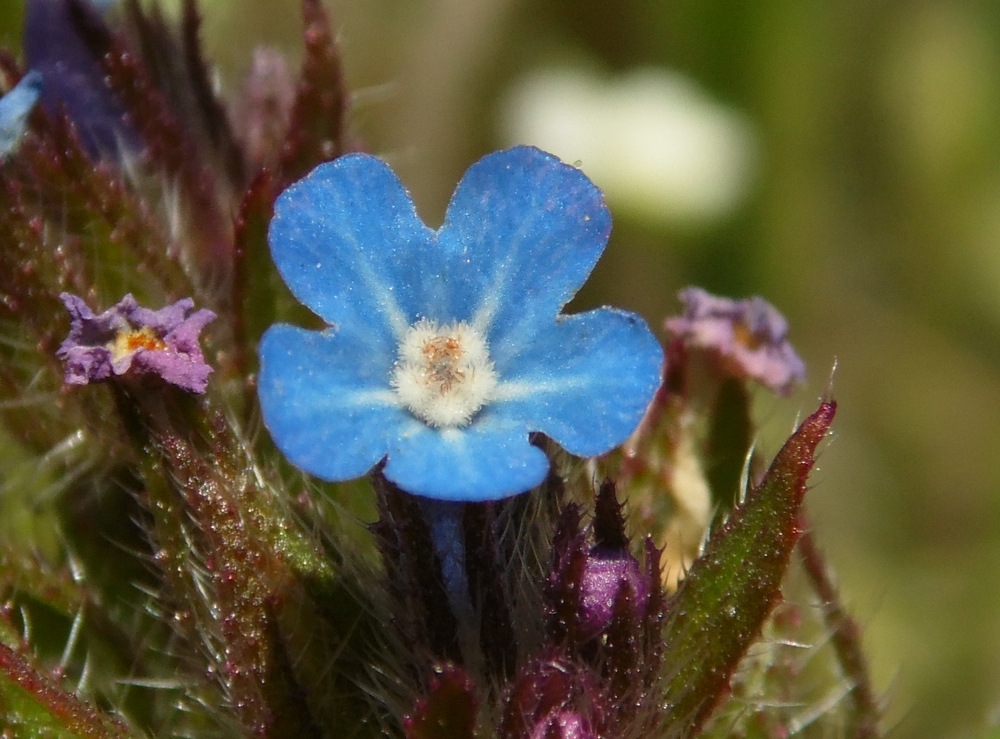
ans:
(15, 107)
(528, 230)
(484, 461)
(326, 400)
(349, 244)
(586, 381)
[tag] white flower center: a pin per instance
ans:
(444, 374)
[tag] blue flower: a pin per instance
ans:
(15, 107)
(447, 348)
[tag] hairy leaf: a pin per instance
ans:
(731, 589)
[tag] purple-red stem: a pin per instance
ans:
(846, 638)
(76, 715)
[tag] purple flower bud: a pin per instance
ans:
(555, 698)
(606, 572)
(749, 336)
(449, 708)
(261, 116)
(563, 725)
(129, 339)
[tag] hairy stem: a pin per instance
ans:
(846, 638)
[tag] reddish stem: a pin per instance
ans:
(76, 715)
(846, 638)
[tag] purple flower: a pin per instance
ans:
(749, 336)
(130, 339)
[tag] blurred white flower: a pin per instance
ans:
(657, 145)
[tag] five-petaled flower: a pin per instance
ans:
(749, 336)
(129, 339)
(447, 348)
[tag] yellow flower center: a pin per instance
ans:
(746, 337)
(129, 342)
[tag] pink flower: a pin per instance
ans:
(748, 336)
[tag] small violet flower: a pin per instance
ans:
(447, 348)
(749, 336)
(15, 107)
(129, 339)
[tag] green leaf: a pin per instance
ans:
(731, 589)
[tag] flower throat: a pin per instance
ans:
(443, 374)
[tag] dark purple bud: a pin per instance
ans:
(449, 709)
(748, 336)
(563, 725)
(583, 593)
(59, 43)
(605, 573)
(554, 697)
(129, 339)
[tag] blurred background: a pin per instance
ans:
(841, 159)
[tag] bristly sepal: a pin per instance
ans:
(609, 519)
(413, 575)
(448, 710)
(553, 693)
(317, 129)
